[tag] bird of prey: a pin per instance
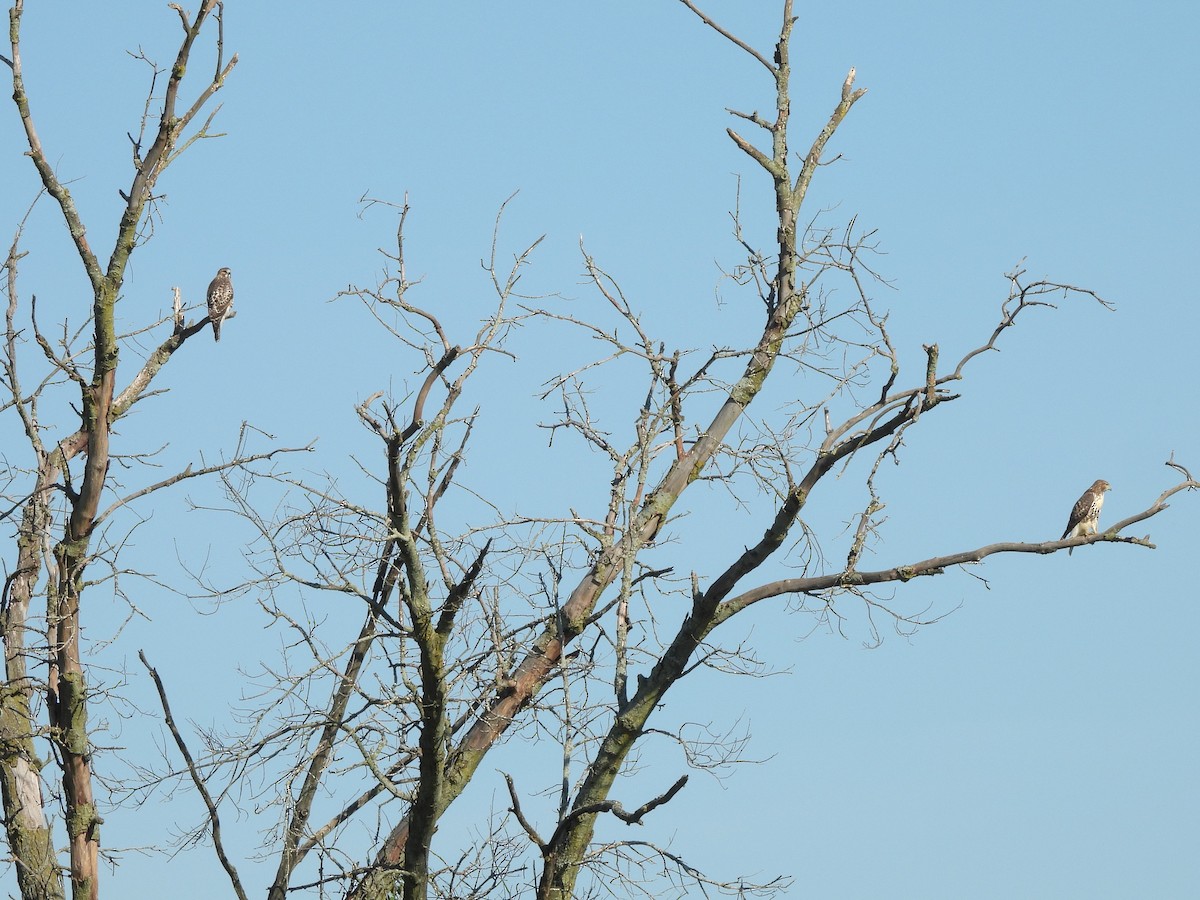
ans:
(1085, 515)
(220, 300)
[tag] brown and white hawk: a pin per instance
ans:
(220, 299)
(1085, 515)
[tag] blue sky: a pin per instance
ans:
(1041, 740)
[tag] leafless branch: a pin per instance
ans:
(516, 811)
(730, 37)
(630, 818)
(214, 816)
(939, 564)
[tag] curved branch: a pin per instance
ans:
(1025, 297)
(525, 824)
(629, 818)
(214, 817)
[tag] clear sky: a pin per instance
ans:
(1041, 740)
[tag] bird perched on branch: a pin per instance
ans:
(1085, 515)
(220, 299)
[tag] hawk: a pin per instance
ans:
(220, 299)
(1085, 515)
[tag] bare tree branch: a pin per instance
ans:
(214, 816)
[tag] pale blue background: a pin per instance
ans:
(1042, 740)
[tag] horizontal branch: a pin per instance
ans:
(189, 472)
(937, 565)
(629, 818)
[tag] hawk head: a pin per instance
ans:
(1099, 486)
(225, 272)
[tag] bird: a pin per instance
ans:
(220, 299)
(1085, 514)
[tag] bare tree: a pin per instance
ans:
(63, 499)
(474, 624)
(477, 626)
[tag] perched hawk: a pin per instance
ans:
(1085, 515)
(220, 300)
